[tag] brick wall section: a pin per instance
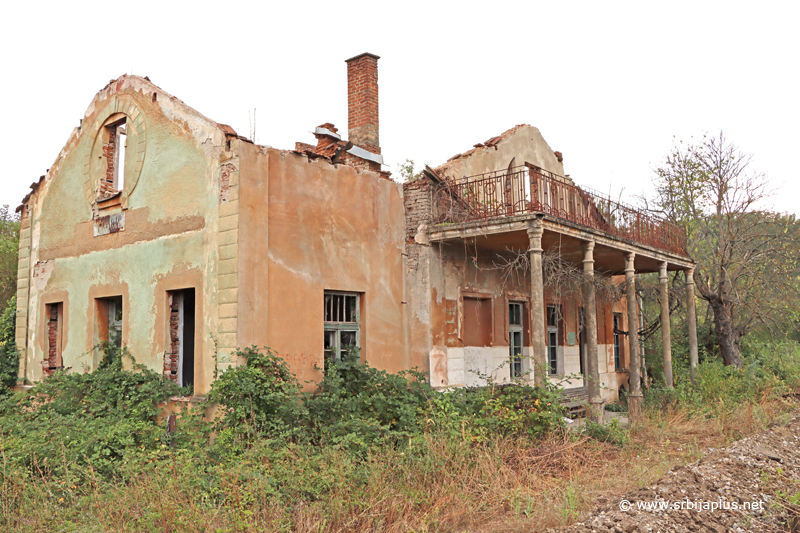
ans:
(50, 364)
(109, 154)
(228, 258)
(417, 201)
(225, 178)
(362, 102)
(171, 356)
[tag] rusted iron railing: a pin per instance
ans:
(530, 189)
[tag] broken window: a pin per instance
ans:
(477, 325)
(179, 358)
(342, 325)
(114, 153)
(617, 331)
(515, 315)
(109, 321)
(552, 339)
(54, 325)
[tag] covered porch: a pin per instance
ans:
(529, 210)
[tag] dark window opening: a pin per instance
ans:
(54, 326)
(179, 360)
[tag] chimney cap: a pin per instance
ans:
(359, 56)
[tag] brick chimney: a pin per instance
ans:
(362, 101)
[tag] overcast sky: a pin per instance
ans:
(609, 84)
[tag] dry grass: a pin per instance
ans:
(437, 485)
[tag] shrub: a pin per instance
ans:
(258, 400)
(611, 432)
(519, 409)
(70, 421)
(9, 356)
(356, 405)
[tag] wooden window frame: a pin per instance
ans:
(516, 359)
(335, 328)
(552, 349)
(616, 322)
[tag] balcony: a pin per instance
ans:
(529, 189)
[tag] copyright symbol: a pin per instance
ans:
(625, 505)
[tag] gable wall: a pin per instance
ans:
(166, 242)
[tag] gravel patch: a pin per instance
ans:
(749, 483)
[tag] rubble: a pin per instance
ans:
(762, 468)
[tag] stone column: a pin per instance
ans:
(590, 323)
(535, 232)
(635, 387)
(691, 318)
(666, 341)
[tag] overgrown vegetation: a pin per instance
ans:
(365, 451)
(9, 356)
(746, 257)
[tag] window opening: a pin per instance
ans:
(115, 321)
(114, 152)
(342, 325)
(54, 325)
(582, 339)
(515, 338)
(552, 339)
(180, 357)
(617, 324)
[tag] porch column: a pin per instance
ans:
(666, 341)
(691, 318)
(535, 231)
(635, 386)
(590, 323)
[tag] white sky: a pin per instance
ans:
(608, 83)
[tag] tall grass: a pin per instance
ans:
(441, 462)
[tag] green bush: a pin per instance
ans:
(518, 409)
(611, 432)
(70, 421)
(769, 368)
(258, 400)
(9, 356)
(356, 406)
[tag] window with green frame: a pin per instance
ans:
(342, 324)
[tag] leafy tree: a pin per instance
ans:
(747, 258)
(9, 250)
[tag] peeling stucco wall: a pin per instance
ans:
(169, 240)
(308, 226)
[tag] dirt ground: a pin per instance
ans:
(752, 485)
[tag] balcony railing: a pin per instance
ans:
(530, 189)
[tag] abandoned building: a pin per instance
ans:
(163, 231)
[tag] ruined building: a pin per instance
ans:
(161, 230)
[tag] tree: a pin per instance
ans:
(747, 258)
(9, 253)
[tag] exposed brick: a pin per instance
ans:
(362, 102)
